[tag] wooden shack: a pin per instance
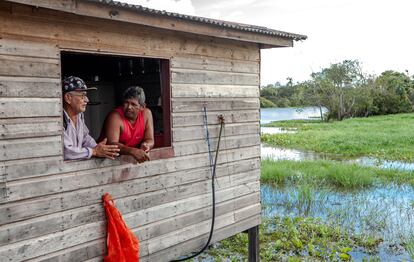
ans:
(51, 209)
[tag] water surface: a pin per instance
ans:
(268, 115)
(385, 212)
(278, 153)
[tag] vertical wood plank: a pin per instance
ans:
(253, 244)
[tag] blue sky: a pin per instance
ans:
(378, 33)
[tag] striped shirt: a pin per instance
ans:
(78, 144)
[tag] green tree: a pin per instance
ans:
(270, 93)
(264, 103)
(394, 93)
(335, 87)
(346, 92)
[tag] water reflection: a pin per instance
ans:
(277, 153)
(277, 130)
(387, 164)
(268, 115)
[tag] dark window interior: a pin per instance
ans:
(112, 75)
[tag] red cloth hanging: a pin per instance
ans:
(121, 242)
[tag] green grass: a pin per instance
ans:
(409, 246)
(385, 137)
(295, 239)
(329, 173)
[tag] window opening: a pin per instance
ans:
(112, 75)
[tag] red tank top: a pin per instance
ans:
(132, 135)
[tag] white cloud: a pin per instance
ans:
(376, 32)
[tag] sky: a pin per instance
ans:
(378, 33)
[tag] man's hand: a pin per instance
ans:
(139, 154)
(104, 150)
(145, 147)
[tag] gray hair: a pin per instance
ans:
(134, 92)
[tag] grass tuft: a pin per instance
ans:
(327, 173)
(409, 246)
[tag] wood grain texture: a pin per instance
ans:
(97, 248)
(29, 87)
(30, 107)
(230, 117)
(30, 127)
(195, 244)
(199, 132)
(191, 76)
(29, 66)
(215, 64)
(31, 147)
(217, 104)
(17, 211)
(85, 33)
(66, 238)
(35, 187)
(197, 146)
(213, 91)
(167, 23)
(28, 49)
(151, 221)
(193, 231)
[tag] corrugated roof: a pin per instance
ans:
(219, 23)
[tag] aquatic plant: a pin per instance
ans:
(380, 214)
(409, 247)
(291, 239)
(304, 198)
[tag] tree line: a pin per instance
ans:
(346, 91)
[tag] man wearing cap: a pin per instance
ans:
(78, 144)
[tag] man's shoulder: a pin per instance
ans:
(147, 111)
(114, 116)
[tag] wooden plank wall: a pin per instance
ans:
(51, 210)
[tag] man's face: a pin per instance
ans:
(131, 108)
(78, 101)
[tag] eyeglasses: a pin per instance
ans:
(82, 96)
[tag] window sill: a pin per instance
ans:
(161, 153)
(155, 154)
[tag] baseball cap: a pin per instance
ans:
(73, 83)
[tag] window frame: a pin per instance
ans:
(164, 152)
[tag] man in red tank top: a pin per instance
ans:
(130, 125)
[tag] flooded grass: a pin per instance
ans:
(409, 246)
(306, 223)
(384, 212)
(330, 174)
(277, 153)
(386, 137)
(382, 216)
(326, 211)
(293, 239)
